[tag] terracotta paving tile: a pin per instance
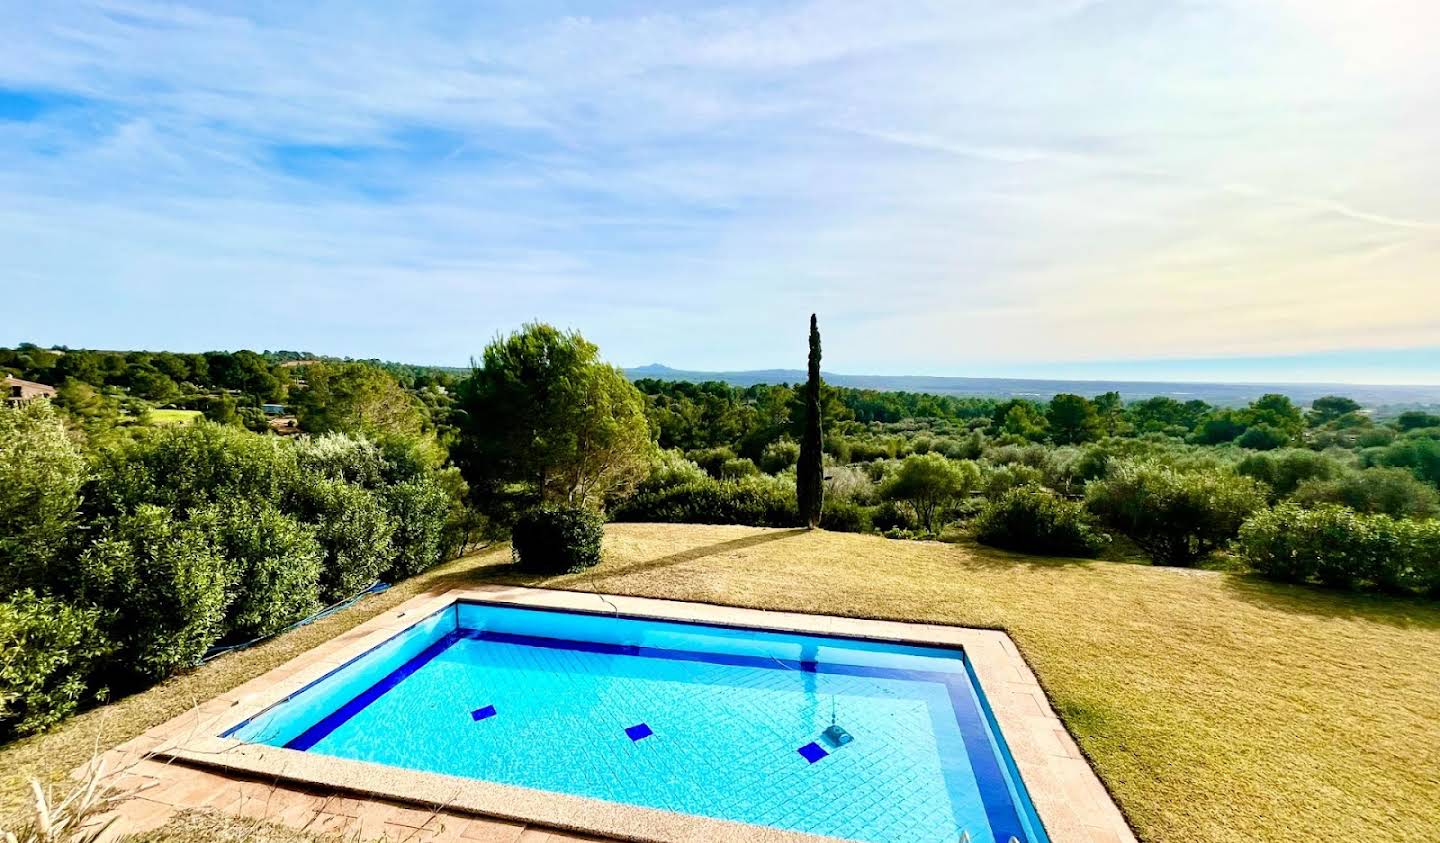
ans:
(491, 831)
(141, 815)
(326, 823)
(409, 834)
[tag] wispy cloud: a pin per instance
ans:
(953, 185)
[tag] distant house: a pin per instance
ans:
(273, 409)
(19, 391)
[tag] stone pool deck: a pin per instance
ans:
(181, 765)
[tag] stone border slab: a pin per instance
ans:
(1072, 803)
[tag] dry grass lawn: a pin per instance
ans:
(1214, 706)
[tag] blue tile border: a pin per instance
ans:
(337, 718)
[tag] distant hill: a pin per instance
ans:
(1222, 394)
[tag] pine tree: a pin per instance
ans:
(810, 472)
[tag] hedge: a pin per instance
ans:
(757, 502)
(1339, 547)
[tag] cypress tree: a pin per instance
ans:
(810, 472)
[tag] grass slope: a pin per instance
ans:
(1215, 707)
(165, 418)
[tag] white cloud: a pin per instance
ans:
(947, 182)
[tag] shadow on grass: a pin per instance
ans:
(1399, 611)
(988, 556)
(504, 572)
(700, 553)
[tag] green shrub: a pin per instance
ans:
(995, 481)
(850, 483)
(1338, 547)
(1263, 437)
(779, 455)
(845, 516)
(166, 586)
(1177, 517)
(1284, 470)
(41, 473)
(189, 466)
(1420, 455)
(737, 468)
(866, 450)
(1419, 545)
(711, 459)
(1032, 519)
(48, 651)
(671, 468)
(272, 565)
(1416, 419)
(354, 531)
(338, 456)
(1391, 491)
(419, 509)
(1375, 437)
(931, 483)
(890, 516)
(755, 501)
(551, 540)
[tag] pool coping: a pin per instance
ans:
(1068, 797)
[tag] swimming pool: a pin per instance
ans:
(732, 724)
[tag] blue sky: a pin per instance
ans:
(1233, 189)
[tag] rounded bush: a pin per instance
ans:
(1032, 519)
(844, 516)
(737, 468)
(551, 540)
(1263, 437)
(48, 650)
(1392, 491)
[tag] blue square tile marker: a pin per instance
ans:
(482, 713)
(812, 752)
(639, 731)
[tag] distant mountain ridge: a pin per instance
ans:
(1223, 394)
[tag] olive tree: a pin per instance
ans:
(930, 483)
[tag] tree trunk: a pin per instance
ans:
(810, 472)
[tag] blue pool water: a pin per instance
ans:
(719, 722)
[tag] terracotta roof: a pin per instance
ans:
(48, 390)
